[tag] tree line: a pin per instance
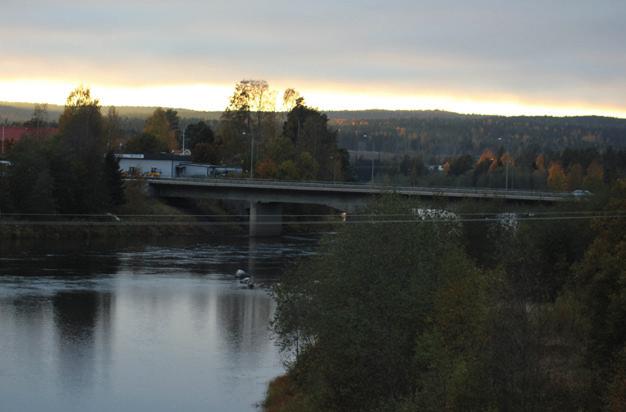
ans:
(73, 172)
(446, 311)
(296, 143)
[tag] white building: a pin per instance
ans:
(165, 164)
(170, 165)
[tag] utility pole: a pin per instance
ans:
(372, 154)
(506, 176)
(184, 130)
(3, 138)
(506, 167)
(372, 141)
(251, 155)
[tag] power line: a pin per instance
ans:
(378, 221)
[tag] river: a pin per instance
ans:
(157, 327)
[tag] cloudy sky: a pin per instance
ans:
(484, 56)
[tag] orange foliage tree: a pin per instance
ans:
(556, 177)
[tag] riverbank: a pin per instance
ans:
(17, 230)
(283, 396)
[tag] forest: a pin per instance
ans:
(465, 309)
(404, 148)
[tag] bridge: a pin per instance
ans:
(267, 196)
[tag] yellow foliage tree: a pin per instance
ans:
(556, 177)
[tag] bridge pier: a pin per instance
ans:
(266, 219)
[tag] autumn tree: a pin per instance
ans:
(556, 177)
(248, 120)
(290, 99)
(145, 143)
(308, 131)
(594, 178)
(159, 126)
(113, 133)
(81, 124)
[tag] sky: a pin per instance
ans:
(510, 57)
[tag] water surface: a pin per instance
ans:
(139, 328)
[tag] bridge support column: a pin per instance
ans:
(266, 219)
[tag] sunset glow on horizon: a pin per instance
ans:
(208, 97)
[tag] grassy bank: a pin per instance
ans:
(141, 217)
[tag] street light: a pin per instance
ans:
(251, 153)
(506, 168)
(372, 154)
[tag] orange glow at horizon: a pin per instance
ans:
(215, 97)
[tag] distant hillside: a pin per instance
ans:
(21, 112)
(433, 133)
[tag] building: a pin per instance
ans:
(207, 170)
(161, 164)
(9, 135)
(170, 165)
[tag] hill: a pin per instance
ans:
(21, 112)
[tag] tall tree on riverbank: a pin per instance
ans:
(248, 121)
(78, 159)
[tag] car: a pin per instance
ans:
(581, 193)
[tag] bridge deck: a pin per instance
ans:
(318, 188)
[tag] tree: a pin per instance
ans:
(145, 143)
(77, 161)
(158, 125)
(38, 122)
(81, 125)
(174, 124)
(290, 99)
(196, 133)
(205, 153)
(352, 316)
(267, 169)
(556, 177)
(308, 131)
(460, 165)
(574, 176)
(113, 180)
(113, 129)
(600, 284)
(248, 120)
(594, 180)
(29, 180)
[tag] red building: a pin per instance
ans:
(9, 135)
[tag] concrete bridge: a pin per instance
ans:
(267, 196)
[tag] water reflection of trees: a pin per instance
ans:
(84, 332)
(245, 318)
(64, 258)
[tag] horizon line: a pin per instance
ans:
(459, 113)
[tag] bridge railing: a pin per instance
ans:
(368, 187)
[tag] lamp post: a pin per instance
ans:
(372, 154)
(251, 174)
(506, 168)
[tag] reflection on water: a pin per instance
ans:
(159, 328)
